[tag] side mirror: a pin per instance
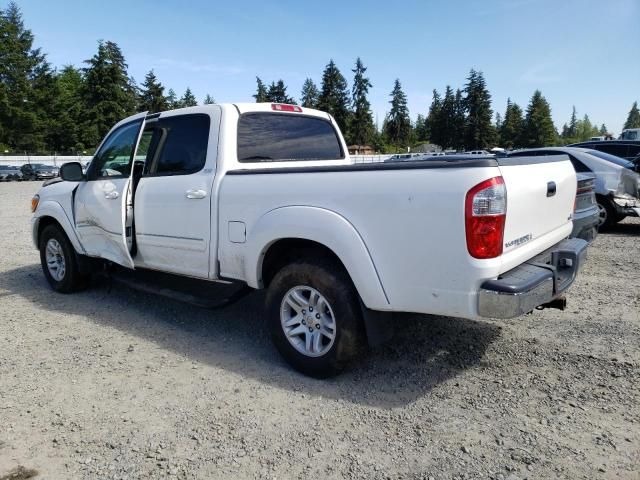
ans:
(71, 172)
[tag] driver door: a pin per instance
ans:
(102, 203)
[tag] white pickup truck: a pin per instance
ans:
(266, 195)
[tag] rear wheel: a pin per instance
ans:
(59, 261)
(314, 317)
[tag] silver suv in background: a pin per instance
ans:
(616, 186)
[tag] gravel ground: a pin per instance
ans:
(121, 385)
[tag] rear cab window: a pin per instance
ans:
(281, 137)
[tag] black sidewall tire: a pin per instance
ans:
(612, 216)
(334, 284)
(73, 280)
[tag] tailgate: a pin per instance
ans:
(541, 192)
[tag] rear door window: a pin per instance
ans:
(176, 145)
(272, 137)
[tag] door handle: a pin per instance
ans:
(111, 195)
(551, 189)
(196, 194)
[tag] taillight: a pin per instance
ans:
(485, 212)
(283, 107)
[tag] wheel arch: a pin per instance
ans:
(52, 213)
(281, 233)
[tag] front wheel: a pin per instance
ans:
(314, 317)
(59, 261)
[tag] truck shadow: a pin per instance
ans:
(425, 352)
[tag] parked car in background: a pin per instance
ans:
(403, 157)
(478, 152)
(616, 187)
(414, 157)
(626, 149)
(586, 215)
(623, 162)
(630, 134)
(9, 172)
(39, 171)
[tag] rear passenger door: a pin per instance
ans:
(173, 199)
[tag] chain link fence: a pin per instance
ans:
(55, 160)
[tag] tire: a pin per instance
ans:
(338, 314)
(55, 248)
(607, 213)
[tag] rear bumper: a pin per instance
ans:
(585, 224)
(534, 283)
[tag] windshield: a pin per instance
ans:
(612, 158)
(632, 135)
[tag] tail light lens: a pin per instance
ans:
(485, 213)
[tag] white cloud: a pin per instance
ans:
(544, 72)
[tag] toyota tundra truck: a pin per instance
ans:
(265, 195)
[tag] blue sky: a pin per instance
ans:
(577, 52)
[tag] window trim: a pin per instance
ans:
(159, 147)
(331, 124)
(92, 175)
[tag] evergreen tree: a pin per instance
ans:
(107, 92)
(498, 127)
(152, 97)
(66, 133)
(23, 70)
(432, 122)
(208, 100)
(633, 119)
(585, 130)
(512, 128)
(421, 129)
(603, 129)
(539, 130)
(188, 99)
(309, 94)
(277, 93)
(334, 96)
(572, 130)
(172, 99)
(261, 92)
(460, 121)
(479, 132)
(447, 120)
(45, 92)
(398, 125)
(362, 129)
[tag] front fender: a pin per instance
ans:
(53, 209)
(322, 226)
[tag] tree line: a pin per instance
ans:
(43, 109)
(70, 110)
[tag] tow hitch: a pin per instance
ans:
(559, 303)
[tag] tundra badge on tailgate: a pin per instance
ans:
(518, 241)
